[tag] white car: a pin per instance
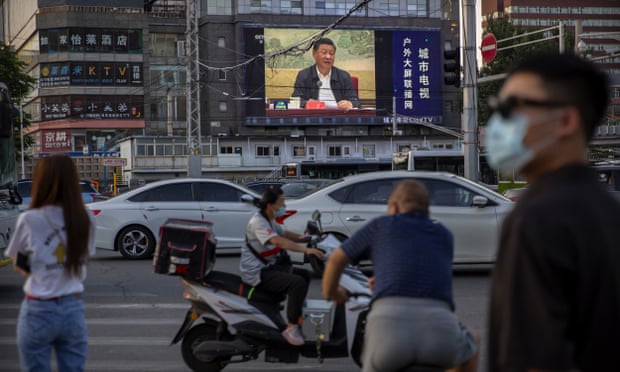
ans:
(130, 222)
(472, 212)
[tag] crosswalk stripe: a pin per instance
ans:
(138, 306)
(116, 321)
(111, 341)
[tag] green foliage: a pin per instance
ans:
(502, 29)
(12, 73)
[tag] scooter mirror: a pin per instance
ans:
(316, 215)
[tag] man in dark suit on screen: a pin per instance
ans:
(324, 82)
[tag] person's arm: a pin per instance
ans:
(297, 238)
(349, 98)
(300, 89)
(285, 243)
(333, 270)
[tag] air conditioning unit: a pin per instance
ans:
(181, 48)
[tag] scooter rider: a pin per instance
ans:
(411, 321)
(266, 265)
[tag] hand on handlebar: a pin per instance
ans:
(340, 296)
(317, 252)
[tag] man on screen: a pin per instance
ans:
(324, 82)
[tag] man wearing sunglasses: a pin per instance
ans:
(555, 293)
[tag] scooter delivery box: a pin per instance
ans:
(185, 248)
(317, 313)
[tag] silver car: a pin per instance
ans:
(472, 212)
(129, 223)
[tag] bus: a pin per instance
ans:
(451, 161)
(333, 169)
(9, 199)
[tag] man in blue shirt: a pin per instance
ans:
(412, 320)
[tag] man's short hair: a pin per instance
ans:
(322, 41)
(571, 79)
(410, 195)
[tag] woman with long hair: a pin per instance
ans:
(266, 265)
(52, 242)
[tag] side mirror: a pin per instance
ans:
(480, 201)
(247, 198)
(316, 215)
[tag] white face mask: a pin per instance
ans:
(504, 141)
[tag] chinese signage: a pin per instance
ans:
(416, 58)
(92, 107)
(90, 73)
(56, 140)
(93, 40)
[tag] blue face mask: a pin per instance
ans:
(280, 212)
(504, 142)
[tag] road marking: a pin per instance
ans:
(111, 341)
(116, 321)
(95, 306)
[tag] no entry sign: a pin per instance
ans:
(488, 47)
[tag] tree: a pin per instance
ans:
(502, 29)
(13, 74)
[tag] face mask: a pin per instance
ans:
(504, 142)
(279, 212)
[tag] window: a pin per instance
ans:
(221, 75)
(216, 7)
(263, 150)
(176, 192)
(334, 151)
(346, 150)
(446, 194)
(276, 150)
(299, 151)
(164, 44)
(223, 106)
(167, 76)
(221, 42)
(337, 7)
(417, 8)
(371, 192)
(226, 150)
(217, 192)
(291, 6)
(368, 151)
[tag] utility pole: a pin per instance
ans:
(469, 119)
(194, 140)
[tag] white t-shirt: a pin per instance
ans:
(258, 233)
(43, 240)
(325, 90)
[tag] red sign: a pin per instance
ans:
(488, 47)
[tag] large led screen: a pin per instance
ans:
(400, 68)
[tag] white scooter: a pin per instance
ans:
(240, 322)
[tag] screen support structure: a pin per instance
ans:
(194, 141)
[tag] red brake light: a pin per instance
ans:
(286, 215)
(95, 211)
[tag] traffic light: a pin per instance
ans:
(451, 67)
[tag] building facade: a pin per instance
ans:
(595, 22)
(111, 71)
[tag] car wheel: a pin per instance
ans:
(135, 242)
(193, 338)
(318, 264)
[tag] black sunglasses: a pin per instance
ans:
(506, 106)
